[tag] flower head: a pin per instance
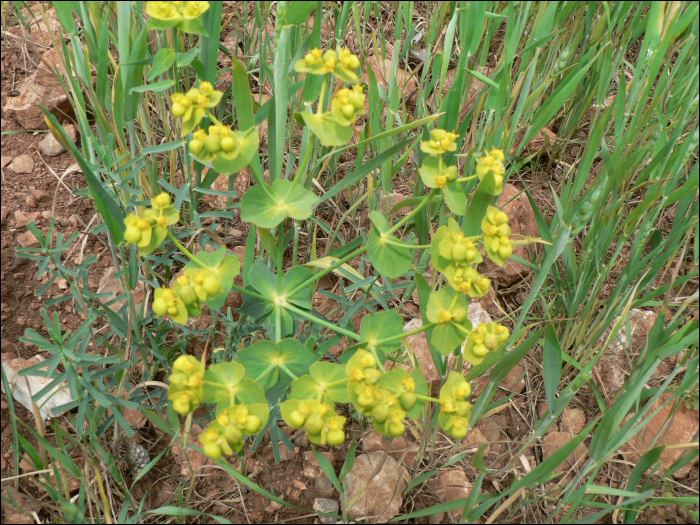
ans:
(193, 10)
(340, 63)
(440, 142)
(186, 384)
(346, 104)
(492, 162)
(165, 11)
(497, 235)
(485, 338)
(165, 301)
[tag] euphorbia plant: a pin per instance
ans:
(281, 300)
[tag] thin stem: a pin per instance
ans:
(379, 363)
(415, 210)
(454, 301)
(464, 330)
(304, 163)
(322, 96)
(339, 382)
(427, 398)
(184, 250)
(323, 322)
(240, 289)
(212, 117)
(328, 270)
(280, 254)
(465, 179)
(406, 334)
(295, 248)
(278, 325)
(287, 371)
(390, 240)
(267, 371)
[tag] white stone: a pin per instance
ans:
(23, 387)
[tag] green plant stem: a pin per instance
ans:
(454, 301)
(464, 330)
(427, 398)
(379, 363)
(212, 117)
(322, 96)
(339, 382)
(323, 322)
(184, 250)
(406, 334)
(240, 289)
(390, 240)
(415, 210)
(280, 254)
(465, 179)
(328, 270)
(278, 325)
(287, 371)
(262, 376)
(303, 164)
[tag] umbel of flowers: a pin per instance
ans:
(389, 399)
(185, 16)
(334, 127)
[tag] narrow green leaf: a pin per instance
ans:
(551, 365)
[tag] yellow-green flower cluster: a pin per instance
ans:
(440, 142)
(492, 162)
(458, 257)
(186, 384)
(148, 232)
(459, 249)
(485, 338)
(138, 230)
(323, 426)
(497, 235)
(192, 106)
(449, 174)
(166, 301)
(387, 409)
(227, 432)
(347, 104)
(176, 11)
(221, 141)
(340, 63)
(467, 280)
(455, 410)
(197, 285)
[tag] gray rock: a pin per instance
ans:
(312, 470)
(52, 147)
(419, 345)
(573, 421)
(477, 315)
(41, 195)
(453, 484)
(41, 86)
(329, 506)
(324, 487)
(27, 239)
(382, 498)
(22, 164)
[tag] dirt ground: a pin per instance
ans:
(215, 491)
